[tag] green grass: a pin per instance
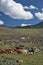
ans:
(19, 32)
(14, 34)
(36, 59)
(4, 46)
(8, 59)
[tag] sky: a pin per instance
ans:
(14, 13)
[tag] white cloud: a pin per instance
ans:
(42, 9)
(30, 7)
(39, 15)
(26, 7)
(25, 25)
(1, 22)
(14, 10)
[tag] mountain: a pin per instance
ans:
(39, 25)
(25, 26)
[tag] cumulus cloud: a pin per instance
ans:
(42, 9)
(25, 25)
(1, 22)
(14, 10)
(39, 15)
(30, 7)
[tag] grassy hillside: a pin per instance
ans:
(9, 59)
(11, 32)
(14, 35)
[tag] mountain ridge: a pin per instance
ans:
(39, 25)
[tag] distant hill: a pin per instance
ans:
(39, 25)
(25, 27)
(16, 33)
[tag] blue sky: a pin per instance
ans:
(14, 13)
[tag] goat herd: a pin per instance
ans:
(20, 50)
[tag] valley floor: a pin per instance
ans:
(10, 59)
(9, 38)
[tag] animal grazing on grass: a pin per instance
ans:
(2, 51)
(31, 51)
(19, 51)
(9, 50)
(24, 51)
(19, 61)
